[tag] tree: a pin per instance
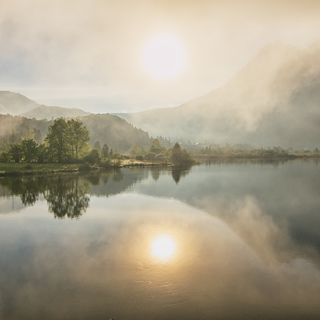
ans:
(150, 156)
(97, 145)
(5, 156)
(42, 153)
(66, 139)
(105, 151)
(180, 157)
(58, 140)
(94, 157)
(135, 150)
(29, 150)
(16, 152)
(78, 136)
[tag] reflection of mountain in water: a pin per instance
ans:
(277, 203)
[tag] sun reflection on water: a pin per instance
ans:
(163, 247)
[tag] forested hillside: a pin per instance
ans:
(107, 129)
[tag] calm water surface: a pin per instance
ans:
(220, 241)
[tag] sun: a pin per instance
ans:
(163, 247)
(164, 57)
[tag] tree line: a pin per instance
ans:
(158, 153)
(67, 141)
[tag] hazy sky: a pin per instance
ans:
(90, 53)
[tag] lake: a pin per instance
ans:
(223, 240)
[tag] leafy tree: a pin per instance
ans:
(105, 151)
(135, 150)
(16, 152)
(5, 156)
(29, 150)
(180, 157)
(58, 140)
(155, 146)
(150, 156)
(78, 136)
(94, 157)
(42, 153)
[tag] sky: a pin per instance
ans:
(91, 54)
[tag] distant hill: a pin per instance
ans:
(15, 103)
(114, 131)
(274, 100)
(45, 112)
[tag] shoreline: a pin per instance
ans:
(28, 169)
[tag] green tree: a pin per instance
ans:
(156, 147)
(94, 157)
(150, 156)
(78, 137)
(135, 150)
(29, 150)
(58, 140)
(105, 151)
(5, 156)
(42, 153)
(180, 157)
(16, 152)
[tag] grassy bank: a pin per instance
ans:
(36, 168)
(11, 169)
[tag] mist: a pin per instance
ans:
(88, 54)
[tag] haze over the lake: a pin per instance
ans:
(103, 56)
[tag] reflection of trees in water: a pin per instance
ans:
(117, 175)
(28, 188)
(245, 161)
(155, 172)
(67, 197)
(177, 174)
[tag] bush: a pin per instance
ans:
(94, 157)
(150, 156)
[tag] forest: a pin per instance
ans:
(67, 141)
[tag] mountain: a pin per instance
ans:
(45, 112)
(15, 103)
(273, 100)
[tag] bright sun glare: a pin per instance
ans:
(163, 247)
(164, 57)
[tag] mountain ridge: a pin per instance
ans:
(16, 104)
